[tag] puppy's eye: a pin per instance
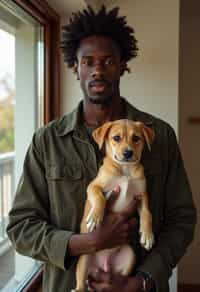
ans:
(135, 139)
(117, 138)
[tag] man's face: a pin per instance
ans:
(99, 69)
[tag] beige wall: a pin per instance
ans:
(153, 84)
(189, 105)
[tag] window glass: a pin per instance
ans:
(21, 112)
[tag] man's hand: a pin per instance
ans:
(99, 281)
(116, 228)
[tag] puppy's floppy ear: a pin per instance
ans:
(149, 135)
(100, 133)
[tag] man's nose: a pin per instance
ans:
(98, 72)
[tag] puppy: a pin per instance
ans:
(124, 141)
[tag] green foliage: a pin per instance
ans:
(6, 128)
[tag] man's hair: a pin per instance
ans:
(104, 23)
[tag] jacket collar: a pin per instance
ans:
(72, 121)
(132, 113)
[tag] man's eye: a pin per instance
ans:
(87, 62)
(109, 62)
(135, 139)
(117, 138)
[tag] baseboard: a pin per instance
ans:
(188, 287)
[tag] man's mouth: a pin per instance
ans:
(98, 86)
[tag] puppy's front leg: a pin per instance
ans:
(98, 202)
(146, 233)
(81, 273)
(93, 215)
(83, 261)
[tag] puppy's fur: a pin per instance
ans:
(124, 141)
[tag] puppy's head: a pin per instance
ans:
(124, 140)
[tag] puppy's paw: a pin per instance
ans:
(94, 218)
(146, 239)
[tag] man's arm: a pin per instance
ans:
(178, 222)
(29, 228)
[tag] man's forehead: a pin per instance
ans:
(97, 45)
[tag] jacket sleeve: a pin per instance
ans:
(179, 220)
(29, 228)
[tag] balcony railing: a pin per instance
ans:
(6, 191)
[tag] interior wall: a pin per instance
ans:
(189, 105)
(153, 84)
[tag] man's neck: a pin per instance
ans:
(97, 114)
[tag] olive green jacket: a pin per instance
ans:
(49, 202)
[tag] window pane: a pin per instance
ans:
(7, 103)
(21, 112)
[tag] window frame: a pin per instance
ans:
(33, 282)
(50, 21)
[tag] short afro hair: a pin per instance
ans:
(87, 23)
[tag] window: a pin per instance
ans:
(29, 97)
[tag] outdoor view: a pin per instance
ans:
(7, 91)
(7, 104)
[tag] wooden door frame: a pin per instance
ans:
(188, 287)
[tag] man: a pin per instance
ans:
(63, 158)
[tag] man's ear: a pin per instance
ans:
(75, 71)
(123, 68)
(149, 136)
(100, 133)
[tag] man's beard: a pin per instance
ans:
(101, 101)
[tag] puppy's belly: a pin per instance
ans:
(114, 260)
(128, 189)
(120, 259)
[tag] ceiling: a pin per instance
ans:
(66, 7)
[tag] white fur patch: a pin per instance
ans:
(128, 189)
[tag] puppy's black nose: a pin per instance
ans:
(127, 153)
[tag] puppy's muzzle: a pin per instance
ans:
(127, 154)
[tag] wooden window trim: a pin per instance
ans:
(50, 21)
(35, 284)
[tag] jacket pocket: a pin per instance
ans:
(58, 172)
(67, 194)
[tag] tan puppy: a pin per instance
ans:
(124, 141)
